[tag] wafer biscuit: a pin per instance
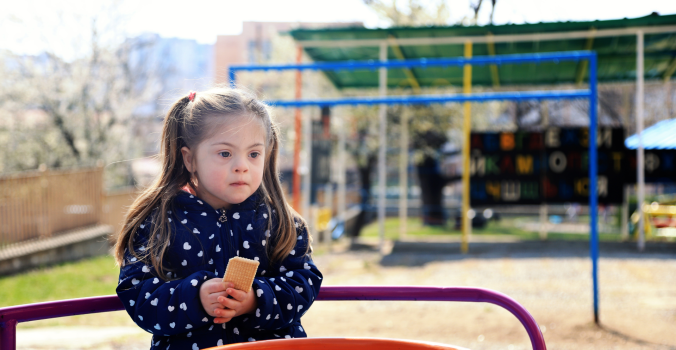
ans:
(241, 272)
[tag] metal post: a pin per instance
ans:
(625, 214)
(382, 116)
(297, 144)
(306, 134)
(467, 125)
(403, 175)
(593, 195)
(341, 168)
(232, 78)
(640, 171)
(543, 221)
(8, 335)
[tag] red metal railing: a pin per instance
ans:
(11, 316)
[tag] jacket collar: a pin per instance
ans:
(192, 202)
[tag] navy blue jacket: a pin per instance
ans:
(200, 247)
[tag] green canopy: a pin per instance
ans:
(613, 40)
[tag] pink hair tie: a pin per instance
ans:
(191, 95)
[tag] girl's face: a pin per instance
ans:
(229, 164)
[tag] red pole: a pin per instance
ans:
(299, 135)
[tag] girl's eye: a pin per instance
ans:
(224, 154)
(255, 154)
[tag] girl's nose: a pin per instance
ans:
(241, 165)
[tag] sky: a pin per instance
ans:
(25, 26)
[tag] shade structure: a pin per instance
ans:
(613, 40)
(661, 135)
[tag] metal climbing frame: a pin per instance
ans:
(383, 63)
(11, 316)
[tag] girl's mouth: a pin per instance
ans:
(240, 183)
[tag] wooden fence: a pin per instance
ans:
(46, 203)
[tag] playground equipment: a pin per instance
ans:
(657, 217)
(13, 315)
(465, 62)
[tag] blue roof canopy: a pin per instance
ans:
(659, 136)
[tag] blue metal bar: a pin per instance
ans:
(424, 62)
(232, 78)
(593, 229)
(428, 99)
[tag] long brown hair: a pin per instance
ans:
(187, 124)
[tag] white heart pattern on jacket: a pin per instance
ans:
(145, 269)
(235, 216)
(147, 295)
(200, 254)
(245, 244)
(183, 306)
(203, 214)
(195, 347)
(259, 292)
(171, 308)
(306, 266)
(134, 281)
(131, 302)
(249, 228)
(277, 288)
(195, 231)
(282, 268)
(157, 326)
(186, 246)
(289, 307)
(184, 221)
(212, 236)
(154, 302)
(172, 325)
(218, 248)
(194, 283)
(184, 263)
(289, 274)
(299, 289)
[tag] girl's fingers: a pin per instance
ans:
(237, 294)
(213, 297)
(222, 319)
(224, 313)
(214, 285)
(228, 303)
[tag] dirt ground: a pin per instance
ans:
(551, 279)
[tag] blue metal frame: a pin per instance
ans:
(555, 57)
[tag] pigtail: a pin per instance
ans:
(156, 199)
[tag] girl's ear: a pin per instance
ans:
(187, 159)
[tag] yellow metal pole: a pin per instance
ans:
(467, 125)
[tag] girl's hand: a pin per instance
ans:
(210, 291)
(242, 302)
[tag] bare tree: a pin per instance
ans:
(412, 13)
(69, 109)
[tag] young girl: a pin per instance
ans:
(218, 196)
